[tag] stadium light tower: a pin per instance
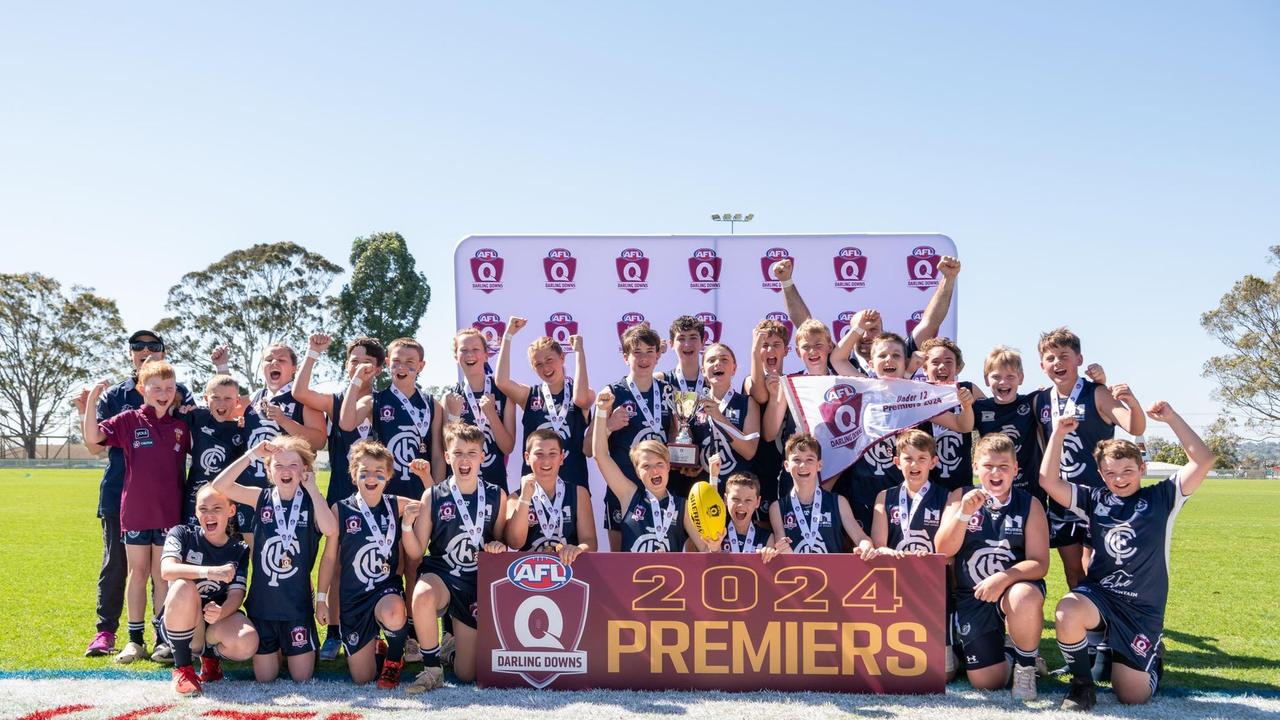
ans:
(732, 218)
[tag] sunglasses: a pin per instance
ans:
(150, 345)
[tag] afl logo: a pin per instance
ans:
(922, 268)
(560, 267)
(486, 270)
(711, 325)
(704, 270)
(628, 321)
(539, 573)
(767, 261)
(633, 270)
(783, 318)
(841, 413)
(913, 321)
(850, 267)
(842, 325)
(492, 327)
(560, 326)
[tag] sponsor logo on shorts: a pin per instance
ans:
(486, 270)
(299, 636)
(704, 270)
(1141, 645)
(850, 268)
(560, 267)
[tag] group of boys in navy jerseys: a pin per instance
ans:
(419, 488)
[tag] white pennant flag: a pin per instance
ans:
(849, 414)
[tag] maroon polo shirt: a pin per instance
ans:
(155, 453)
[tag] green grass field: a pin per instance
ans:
(1222, 625)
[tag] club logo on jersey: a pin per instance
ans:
(447, 511)
(842, 325)
(914, 321)
(492, 327)
(560, 326)
(212, 458)
(370, 566)
(880, 456)
(1119, 543)
(711, 325)
(628, 321)
(633, 270)
(1141, 645)
(353, 525)
(278, 561)
(767, 261)
(988, 561)
(560, 267)
(949, 444)
(486, 270)
(1069, 467)
(403, 445)
(915, 541)
(841, 412)
(540, 614)
(922, 268)
(460, 555)
(704, 270)
(388, 413)
(267, 514)
(975, 523)
(789, 522)
(851, 268)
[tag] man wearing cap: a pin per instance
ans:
(144, 346)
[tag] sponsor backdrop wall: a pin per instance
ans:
(597, 286)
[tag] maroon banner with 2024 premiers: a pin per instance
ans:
(712, 621)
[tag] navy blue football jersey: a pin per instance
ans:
(955, 453)
(573, 431)
(862, 481)
(449, 549)
(395, 428)
(214, 446)
(281, 582)
(257, 429)
(365, 568)
(641, 531)
(994, 540)
(621, 441)
(494, 467)
(712, 440)
(830, 525)
(1077, 464)
(1130, 538)
(1017, 420)
(924, 517)
(189, 546)
(339, 446)
(538, 540)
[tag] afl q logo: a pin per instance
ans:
(704, 270)
(486, 270)
(1119, 543)
(770, 258)
(560, 267)
(842, 325)
(628, 321)
(633, 270)
(539, 615)
(711, 326)
(783, 318)
(561, 326)
(850, 267)
(913, 321)
(272, 554)
(492, 327)
(841, 413)
(922, 268)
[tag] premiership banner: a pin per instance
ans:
(712, 621)
(849, 414)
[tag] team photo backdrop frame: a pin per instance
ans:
(597, 286)
(712, 621)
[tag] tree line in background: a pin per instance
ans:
(53, 339)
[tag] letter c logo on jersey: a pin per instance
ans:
(560, 326)
(492, 327)
(486, 270)
(539, 613)
(922, 268)
(633, 270)
(850, 267)
(704, 270)
(560, 267)
(841, 412)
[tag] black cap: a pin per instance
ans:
(143, 333)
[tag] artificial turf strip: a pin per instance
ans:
(1222, 624)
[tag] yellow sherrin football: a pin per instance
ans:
(706, 510)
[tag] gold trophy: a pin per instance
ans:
(684, 453)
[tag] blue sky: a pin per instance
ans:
(1109, 167)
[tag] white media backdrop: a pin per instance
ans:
(597, 286)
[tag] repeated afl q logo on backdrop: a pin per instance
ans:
(922, 268)
(850, 267)
(539, 613)
(560, 267)
(783, 318)
(486, 270)
(628, 321)
(842, 414)
(704, 270)
(633, 270)
(711, 326)
(842, 324)
(913, 321)
(492, 327)
(771, 256)
(560, 326)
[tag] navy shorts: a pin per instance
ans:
(293, 637)
(246, 518)
(612, 511)
(1133, 633)
(145, 537)
(463, 602)
(356, 619)
(980, 627)
(1066, 528)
